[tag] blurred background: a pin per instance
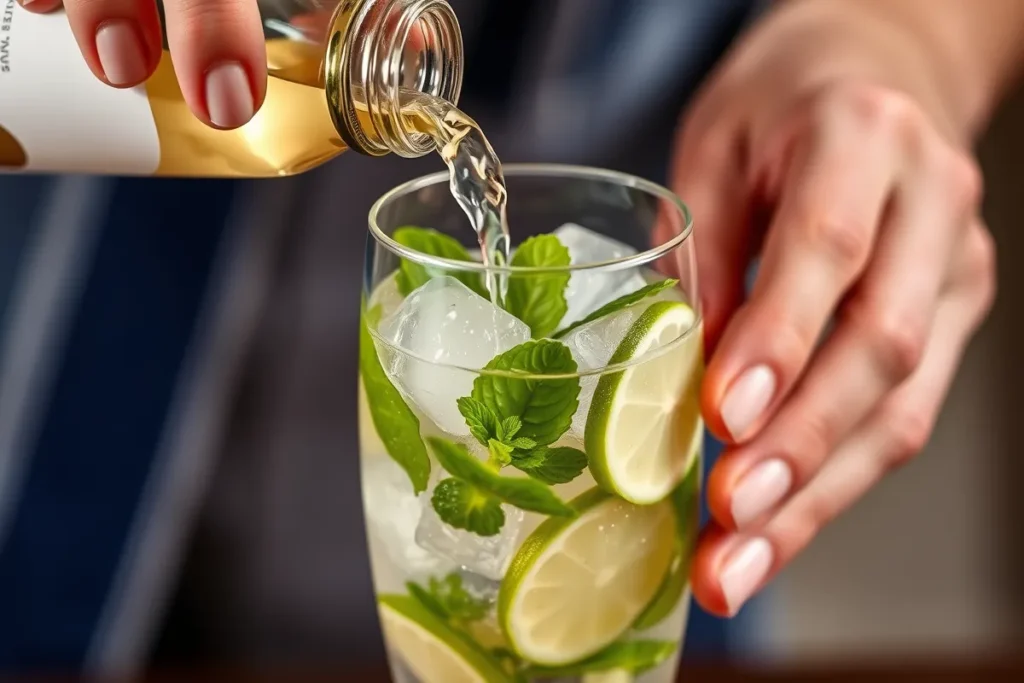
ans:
(240, 542)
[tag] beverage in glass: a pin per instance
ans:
(530, 431)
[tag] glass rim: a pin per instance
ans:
(540, 170)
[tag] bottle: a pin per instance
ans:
(337, 77)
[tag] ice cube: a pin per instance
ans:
(486, 556)
(441, 327)
(589, 290)
(592, 346)
(393, 512)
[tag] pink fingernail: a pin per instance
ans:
(229, 98)
(744, 572)
(120, 52)
(747, 399)
(760, 490)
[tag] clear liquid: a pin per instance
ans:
(407, 546)
(477, 181)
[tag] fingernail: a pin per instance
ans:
(120, 51)
(744, 572)
(760, 490)
(228, 96)
(747, 399)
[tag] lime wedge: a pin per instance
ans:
(576, 585)
(686, 502)
(643, 419)
(430, 648)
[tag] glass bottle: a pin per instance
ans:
(337, 75)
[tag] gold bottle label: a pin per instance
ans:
(56, 116)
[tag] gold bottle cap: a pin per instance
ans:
(366, 69)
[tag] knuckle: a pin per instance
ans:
(876, 106)
(846, 242)
(894, 338)
(202, 18)
(908, 434)
(814, 438)
(789, 346)
(960, 178)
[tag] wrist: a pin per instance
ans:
(972, 49)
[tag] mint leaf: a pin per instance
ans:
(428, 600)
(501, 454)
(427, 241)
(482, 422)
(397, 425)
(456, 600)
(539, 299)
(544, 405)
(522, 443)
(449, 600)
(634, 656)
(463, 506)
(510, 426)
(619, 304)
(552, 465)
(524, 494)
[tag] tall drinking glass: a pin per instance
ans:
(530, 434)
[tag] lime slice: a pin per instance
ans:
(576, 585)
(686, 502)
(643, 419)
(430, 648)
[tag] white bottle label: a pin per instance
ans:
(55, 115)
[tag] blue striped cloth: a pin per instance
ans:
(102, 287)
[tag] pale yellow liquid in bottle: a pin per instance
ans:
(292, 132)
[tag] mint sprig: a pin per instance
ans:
(397, 426)
(634, 656)
(484, 480)
(538, 299)
(618, 304)
(449, 600)
(544, 405)
(547, 403)
(428, 241)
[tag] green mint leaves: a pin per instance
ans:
(461, 505)
(449, 600)
(619, 304)
(486, 482)
(552, 465)
(397, 425)
(634, 656)
(432, 243)
(539, 299)
(537, 411)
(544, 405)
(515, 418)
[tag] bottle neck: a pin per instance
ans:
(380, 53)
